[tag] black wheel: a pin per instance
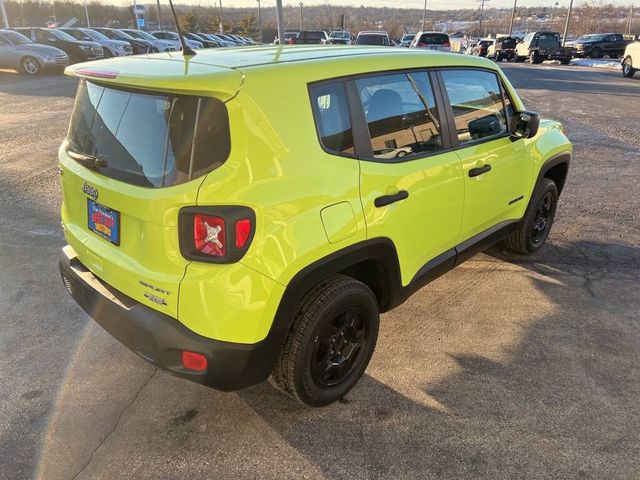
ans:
(538, 219)
(627, 68)
(534, 59)
(519, 59)
(30, 66)
(565, 61)
(330, 344)
(108, 53)
(596, 53)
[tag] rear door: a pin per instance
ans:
(129, 164)
(496, 170)
(411, 185)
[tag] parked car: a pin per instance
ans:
(340, 37)
(77, 50)
(206, 43)
(631, 58)
(175, 39)
(286, 275)
(540, 46)
(288, 36)
(310, 37)
(600, 44)
(406, 39)
(471, 46)
(483, 47)
(222, 42)
(112, 48)
(160, 45)
(432, 41)
(504, 48)
(375, 37)
(17, 52)
(138, 45)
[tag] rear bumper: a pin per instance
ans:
(159, 338)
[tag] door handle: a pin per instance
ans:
(474, 172)
(385, 200)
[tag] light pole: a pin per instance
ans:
(513, 16)
(158, 10)
(135, 14)
(86, 12)
(482, 2)
(5, 19)
(280, 22)
(220, 26)
(566, 24)
(424, 14)
(259, 22)
(301, 4)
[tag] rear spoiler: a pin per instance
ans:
(170, 73)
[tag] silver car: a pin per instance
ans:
(19, 53)
(112, 48)
(161, 45)
(175, 40)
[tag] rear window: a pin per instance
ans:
(148, 139)
(434, 38)
(373, 39)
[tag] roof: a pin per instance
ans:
(231, 63)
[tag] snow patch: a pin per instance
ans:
(591, 62)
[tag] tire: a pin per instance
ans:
(108, 53)
(340, 313)
(538, 220)
(596, 53)
(565, 61)
(627, 68)
(519, 59)
(534, 59)
(30, 66)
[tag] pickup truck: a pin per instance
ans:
(630, 58)
(540, 46)
(600, 44)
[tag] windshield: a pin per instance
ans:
(339, 35)
(95, 35)
(591, 38)
(141, 34)
(149, 139)
(15, 37)
(60, 35)
(372, 39)
(407, 37)
(78, 35)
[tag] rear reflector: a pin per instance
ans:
(194, 361)
(209, 235)
(243, 230)
(97, 72)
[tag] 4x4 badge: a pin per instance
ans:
(89, 190)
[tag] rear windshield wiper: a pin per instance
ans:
(89, 161)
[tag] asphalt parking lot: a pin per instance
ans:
(507, 367)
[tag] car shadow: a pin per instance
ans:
(551, 401)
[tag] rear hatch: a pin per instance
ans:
(132, 158)
(434, 41)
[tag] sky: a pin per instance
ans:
(436, 4)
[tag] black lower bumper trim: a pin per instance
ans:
(159, 338)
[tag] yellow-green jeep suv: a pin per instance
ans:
(246, 213)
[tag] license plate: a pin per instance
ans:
(104, 221)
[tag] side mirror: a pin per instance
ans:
(525, 125)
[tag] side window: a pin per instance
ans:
(42, 36)
(329, 102)
(401, 114)
(477, 104)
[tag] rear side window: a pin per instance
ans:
(149, 139)
(477, 103)
(401, 114)
(329, 101)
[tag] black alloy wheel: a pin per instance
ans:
(338, 347)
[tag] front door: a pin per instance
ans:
(412, 190)
(495, 168)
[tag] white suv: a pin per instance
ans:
(432, 41)
(630, 58)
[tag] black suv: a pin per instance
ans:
(78, 50)
(600, 44)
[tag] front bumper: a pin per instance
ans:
(49, 63)
(159, 338)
